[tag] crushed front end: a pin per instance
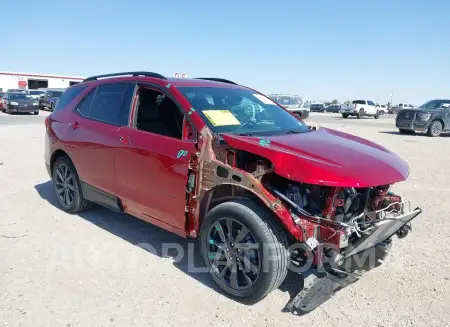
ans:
(351, 232)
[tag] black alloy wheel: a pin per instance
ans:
(67, 186)
(244, 249)
(232, 254)
(64, 185)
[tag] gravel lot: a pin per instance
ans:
(58, 269)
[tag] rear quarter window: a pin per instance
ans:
(68, 96)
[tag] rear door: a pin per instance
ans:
(94, 133)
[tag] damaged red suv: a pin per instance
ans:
(210, 159)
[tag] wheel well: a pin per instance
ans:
(439, 120)
(57, 154)
(228, 192)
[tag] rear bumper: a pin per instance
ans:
(49, 171)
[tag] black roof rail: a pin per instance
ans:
(146, 74)
(222, 80)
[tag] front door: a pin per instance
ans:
(151, 175)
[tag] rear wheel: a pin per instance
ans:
(244, 250)
(36, 112)
(377, 115)
(435, 129)
(67, 186)
(52, 106)
(360, 114)
(344, 115)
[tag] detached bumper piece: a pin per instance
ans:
(321, 284)
(318, 288)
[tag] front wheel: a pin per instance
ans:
(377, 115)
(360, 114)
(36, 112)
(244, 251)
(345, 116)
(435, 129)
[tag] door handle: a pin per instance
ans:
(74, 125)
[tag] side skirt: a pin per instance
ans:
(100, 197)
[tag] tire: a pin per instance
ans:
(435, 129)
(360, 114)
(377, 115)
(273, 257)
(36, 112)
(345, 116)
(52, 106)
(78, 203)
(3, 110)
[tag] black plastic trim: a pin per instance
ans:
(138, 73)
(100, 197)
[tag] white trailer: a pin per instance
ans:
(14, 80)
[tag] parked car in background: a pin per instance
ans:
(36, 94)
(432, 117)
(16, 91)
(317, 107)
(292, 103)
(19, 102)
(50, 98)
(361, 108)
(402, 106)
(382, 109)
(1, 99)
(393, 110)
(333, 108)
(184, 155)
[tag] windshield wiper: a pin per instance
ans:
(291, 132)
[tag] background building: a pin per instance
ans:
(14, 80)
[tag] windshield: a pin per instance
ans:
(241, 111)
(36, 92)
(19, 96)
(436, 104)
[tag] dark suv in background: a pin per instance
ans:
(50, 98)
(432, 117)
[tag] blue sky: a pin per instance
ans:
(316, 48)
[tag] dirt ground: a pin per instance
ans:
(91, 269)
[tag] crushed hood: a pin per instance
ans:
(326, 157)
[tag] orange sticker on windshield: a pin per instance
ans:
(221, 117)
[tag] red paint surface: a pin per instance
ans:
(327, 157)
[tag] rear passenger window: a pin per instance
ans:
(84, 107)
(69, 95)
(111, 103)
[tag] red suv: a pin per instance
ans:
(210, 159)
